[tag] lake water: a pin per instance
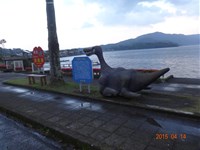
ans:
(183, 61)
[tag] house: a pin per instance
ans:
(17, 63)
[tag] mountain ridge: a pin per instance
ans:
(154, 40)
(146, 41)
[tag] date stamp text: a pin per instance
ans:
(172, 136)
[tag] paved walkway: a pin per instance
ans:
(100, 124)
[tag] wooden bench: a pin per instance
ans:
(31, 79)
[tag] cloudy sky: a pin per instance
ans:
(83, 23)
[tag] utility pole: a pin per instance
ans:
(54, 58)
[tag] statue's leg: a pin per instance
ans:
(124, 92)
(109, 92)
(101, 89)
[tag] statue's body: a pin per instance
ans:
(121, 81)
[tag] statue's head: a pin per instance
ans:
(92, 50)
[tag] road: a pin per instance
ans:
(15, 136)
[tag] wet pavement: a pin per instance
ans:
(101, 124)
(178, 88)
(14, 136)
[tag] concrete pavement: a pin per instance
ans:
(103, 125)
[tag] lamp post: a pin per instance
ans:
(54, 58)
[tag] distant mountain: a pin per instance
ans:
(155, 40)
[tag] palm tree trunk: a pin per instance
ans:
(54, 58)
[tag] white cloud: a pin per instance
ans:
(82, 23)
(162, 5)
(23, 23)
(179, 24)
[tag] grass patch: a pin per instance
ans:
(69, 87)
(19, 81)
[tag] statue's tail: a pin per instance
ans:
(145, 79)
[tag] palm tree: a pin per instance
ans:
(54, 58)
(2, 41)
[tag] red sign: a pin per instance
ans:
(38, 57)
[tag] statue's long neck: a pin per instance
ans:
(104, 66)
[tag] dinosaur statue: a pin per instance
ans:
(121, 81)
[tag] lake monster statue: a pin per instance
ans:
(121, 81)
